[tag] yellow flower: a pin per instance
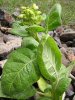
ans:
(23, 7)
(21, 15)
(35, 6)
(38, 12)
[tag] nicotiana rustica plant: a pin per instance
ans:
(38, 60)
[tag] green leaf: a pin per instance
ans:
(1, 93)
(61, 85)
(16, 24)
(25, 94)
(49, 58)
(19, 30)
(53, 19)
(43, 85)
(44, 98)
(62, 82)
(35, 28)
(30, 43)
(20, 73)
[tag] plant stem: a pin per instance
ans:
(56, 97)
(43, 94)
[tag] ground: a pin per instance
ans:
(68, 14)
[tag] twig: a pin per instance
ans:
(63, 97)
(43, 94)
(72, 77)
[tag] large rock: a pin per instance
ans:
(6, 19)
(67, 35)
(8, 43)
(65, 61)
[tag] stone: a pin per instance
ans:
(60, 30)
(67, 35)
(10, 42)
(74, 98)
(16, 13)
(6, 19)
(2, 62)
(65, 61)
(70, 91)
(1, 37)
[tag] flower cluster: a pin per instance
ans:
(31, 15)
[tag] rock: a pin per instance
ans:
(74, 98)
(60, 30)
(70, 91)
(16, 13)
(10, 43)
(73, 48)
(58, 41)
(69, 43)
(64, 45)
(1, 15)
(51, 33)
(67, 99)
(73, 84)
(68, 35)
(1, 37)
(13, 42)
(69, 53)
(73, 71)
(65, 61)
(6, 19)
(2, 63)
(0, 70)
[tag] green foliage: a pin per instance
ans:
(53, 19)
(30, 42)
(1, 93)
(37, 61)
(35, 28)
(20, 73)
(19, 30)
(44, 98)
(49, 60)
(48, 53)
(43, 85)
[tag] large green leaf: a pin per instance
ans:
(21, 95)
(20, 73)
(19, 30)
(25, 94)
(44, 98)
(61, 85)
(43, 85)
(1, 93)
(62, 82)
(49, 58)
(35, 28)
(30, 43)
(53, 19)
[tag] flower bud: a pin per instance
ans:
(35, 6)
